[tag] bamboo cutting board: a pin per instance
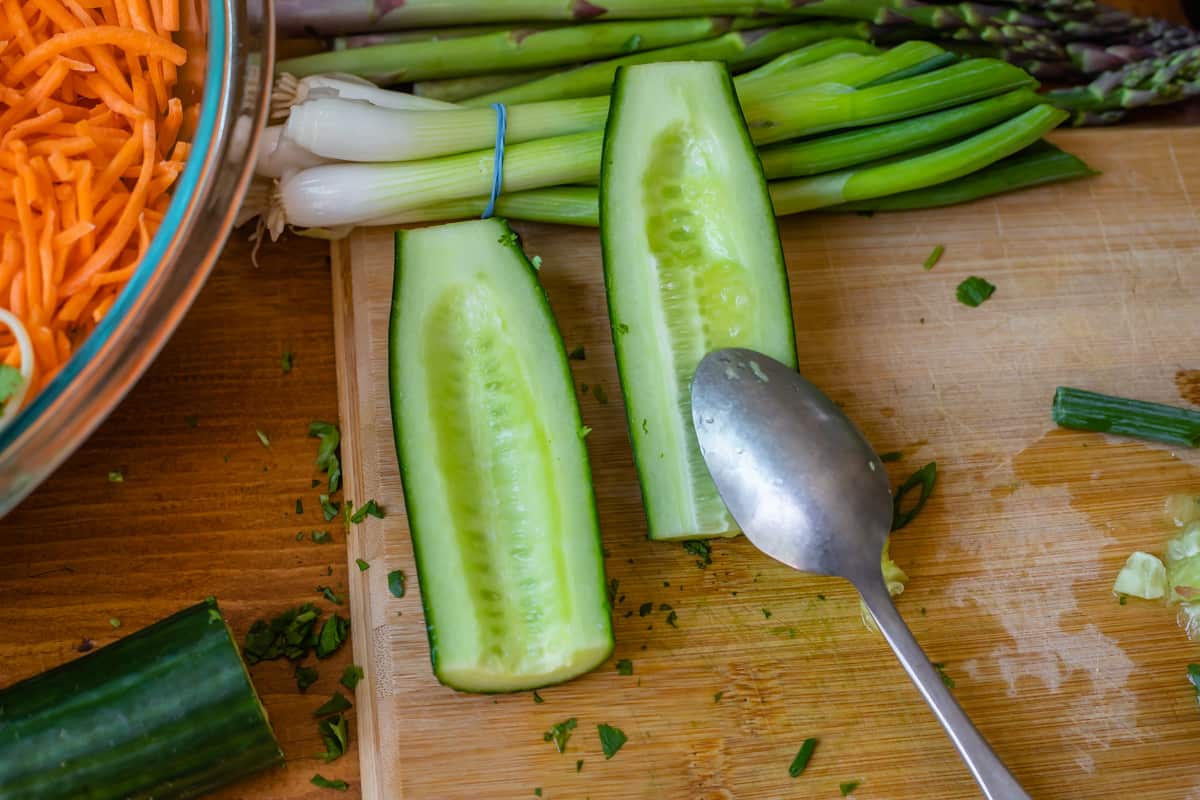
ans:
(1010, 564)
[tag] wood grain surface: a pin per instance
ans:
(1011, 563)
(186, 523)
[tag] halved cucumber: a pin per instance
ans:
(496, 476)
(692, 262)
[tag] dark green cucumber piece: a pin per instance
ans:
(495, 471)
(692, 263)
(167, 712)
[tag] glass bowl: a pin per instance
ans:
(225, 85)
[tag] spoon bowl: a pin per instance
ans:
(808, 490)
(799, 478)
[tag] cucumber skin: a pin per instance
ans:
(166, 712)
(412, 507)
(615, 323)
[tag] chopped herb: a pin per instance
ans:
(934, 257)
(611, 740)
(666, 584)
(579, 765)
(645, 608)
(290, 634)
(537, 791)
(622, 328)
(508, 238)
(351, 675)
(336, 736)
(116, 476)
(327, 452)
(925, 477)
(598, 393)
(560, 733)
(664, 607)
(625, 666)
(305, 677)
(537, 698)
(299, 507)
(578, 354)
(583, 431)
(946, 679)
(320, 537)
(332, 636)
(10, 382)
(262, 437)
(973, 291)
(396, 582)
(370, 508)
(1122, 600)
(922, 609)
(536, 261)
(192, 420)
(717, 697)
(613, 583)
(328, 507)
(113, 621)
(802, 757)
(363, 566)
(285, 363)
(891, 455)
(701, 549)
(322, 782)
(328, 593)
(848, 787)
(336, 704)
(820, 597)
(766, 613)
(671, 619)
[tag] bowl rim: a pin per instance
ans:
(180, 256)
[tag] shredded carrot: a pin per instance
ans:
(89, 151)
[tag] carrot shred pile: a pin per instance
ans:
(89, 150)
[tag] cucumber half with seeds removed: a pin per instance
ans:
(496, 476)
(692, 262)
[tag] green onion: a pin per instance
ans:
(451, 90)
(934, 257)
(840, 150)
(804, 56)
(802, 757)
(1089, 411)
(925, 477)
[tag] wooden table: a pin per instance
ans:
(204, 507)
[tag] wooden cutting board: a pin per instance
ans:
(1010, 564)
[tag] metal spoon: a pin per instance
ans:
(808, 490)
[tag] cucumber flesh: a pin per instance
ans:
(496, 477)
(692, 262)
(167, 712)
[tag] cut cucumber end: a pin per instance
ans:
(692, 263)
(496, 478)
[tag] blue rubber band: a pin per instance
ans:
(498, 168)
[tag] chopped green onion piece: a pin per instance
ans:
(351, 675)
(925, 477)
(625, 667)
(1090, 411)
(370, 508)
(321, 537)
(10, 382)
(802, 757)
(363, 566)
(1142, 576)
(336, 736)
(578, 354)
(328, 507)
(395, 581)
(934, 257)
(891, 455)
(328, 593)
(116, 476)
(322, 782)
(286, 362)
(113, 621)
(848, 787)
(305, 677)
(946, 679)
(336, 704)
(973, 291)
(262, 437)
(332, 636)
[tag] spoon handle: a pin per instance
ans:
(989, 771)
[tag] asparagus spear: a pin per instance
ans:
(344, 16)
(1153, 81)
(739, 49)
(356, 40)
(829, 153)
(939, 166)
(1036, 165)
(505, 50)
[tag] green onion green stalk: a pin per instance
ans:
(504, 51)
(1090, 411)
